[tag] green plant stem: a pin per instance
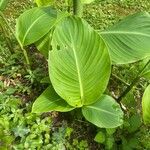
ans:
(24, 51)
(27, 60)
(5, 20)
(133, 83)
(9, 44)
(121, 80)
(77, 8)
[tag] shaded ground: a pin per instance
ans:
(18, 90)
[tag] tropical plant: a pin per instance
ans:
(80, 59)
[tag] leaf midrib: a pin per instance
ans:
(31, 27)
(102, 110)
(79, 74)
(78, 70)
(124, 32)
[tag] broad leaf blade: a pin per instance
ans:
(146, 105)
(105, 113)
(79, 64)
(50, 101)
(129, 40)
(34, 24)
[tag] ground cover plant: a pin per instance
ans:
(80, 67)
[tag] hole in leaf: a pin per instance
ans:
(51, 47)
(58, 47)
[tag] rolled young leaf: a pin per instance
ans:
(50, 101)
(33, 24)
(79, 63)
(146, 105)
(105, 113)
(129, 40)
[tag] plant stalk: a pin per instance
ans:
(135, 80)
(24, 51)
(121, 80)
(9, 44)
(27, 59)
(5, 20)
(77, 8)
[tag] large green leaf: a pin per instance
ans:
(79, 64)
(34, 24)
(3, 4)
(105, 113)
(129, 40)
(50, 101)
(146, 105)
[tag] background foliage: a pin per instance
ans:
(19, 129)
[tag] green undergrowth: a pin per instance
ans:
(20, 129)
